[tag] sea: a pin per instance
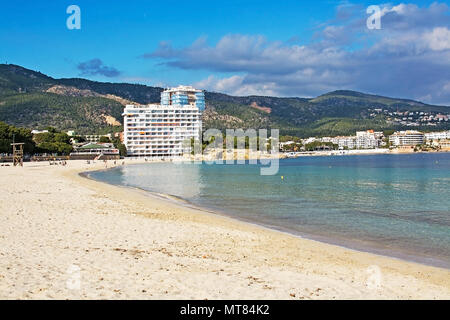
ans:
(392, 205)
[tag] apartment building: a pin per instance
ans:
(183, 96)
(344, 142)
(161, 130)
(407, 138)
(437, 135)
(368, 139)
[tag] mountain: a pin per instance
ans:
(34, 100)
(335, 113)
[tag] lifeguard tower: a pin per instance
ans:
(17, 153)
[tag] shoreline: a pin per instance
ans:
(345, 243)
(132, 246)
(363, 152)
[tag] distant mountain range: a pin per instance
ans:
(34, 100)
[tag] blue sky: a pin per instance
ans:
(284, 48)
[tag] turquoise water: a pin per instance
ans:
(396, 205)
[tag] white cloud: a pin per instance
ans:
(438, 39)
(409, 57)
(236, 85)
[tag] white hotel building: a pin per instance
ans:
(159, 130)
(363, 140)
(406, 138)
(443, 135)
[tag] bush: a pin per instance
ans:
(53, 142)
(104, 140)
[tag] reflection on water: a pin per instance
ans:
(176, 181)
(391, 204)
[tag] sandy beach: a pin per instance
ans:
(63, 236)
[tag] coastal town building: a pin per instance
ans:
(410, 118)
(286, 143)
(439, 140)
(94, 151)
(445, 144)
(183, 96)
(38, 131)
(160, 130)
(344, 142)
(442, 135)
(368, 139)
(407, 138)
(96, 137)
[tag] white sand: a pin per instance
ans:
(127, 244)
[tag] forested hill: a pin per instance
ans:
(34, 100)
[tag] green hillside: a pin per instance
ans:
(135, 92)
(33, 100)
(334, 113)
(40, 110)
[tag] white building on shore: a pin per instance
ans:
(160, 130)
(407, 138)
(344, 142)
(368, 139)
(39, 131)
(442, 135)
(94, 151)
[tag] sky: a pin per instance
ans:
(240, 47)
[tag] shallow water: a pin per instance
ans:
(396, 205)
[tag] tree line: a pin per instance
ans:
(51, 142)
